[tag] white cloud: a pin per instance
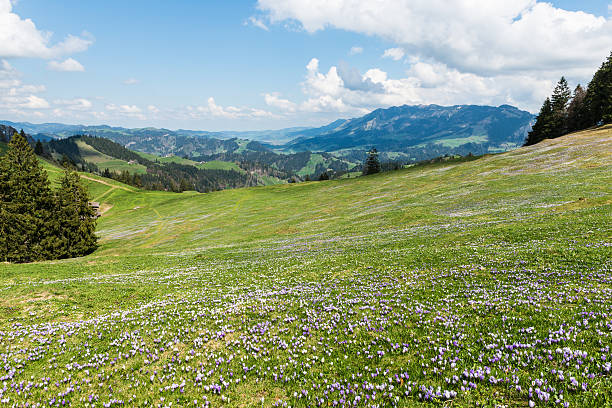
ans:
(394, 53)
(344, 90)
(68, 65)
(21, 38)
(356, 50)
(476, 35)
(153, 109)
(496, 44)
(131, 81)
(16, 96)
(228, 112)
(127, 109)
(27, 102)
(131, 111)
(80, 104)
(257, 22)
(274, 100)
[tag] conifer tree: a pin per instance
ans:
(26, 205)
(544, 126)
(560, 99)
(577, 111)
(78, 219)
(38, 148)
(372, 164)
(599, 95)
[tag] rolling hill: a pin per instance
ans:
(482, 283)
(103, 156)
(404, 133)
(413, 130)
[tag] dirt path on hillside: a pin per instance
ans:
(106, 184)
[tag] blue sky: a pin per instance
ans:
(278, 63)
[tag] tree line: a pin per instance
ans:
(174, 177)
(36, 221)
(564, 112)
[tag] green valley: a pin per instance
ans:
(471, 283)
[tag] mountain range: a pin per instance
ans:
(402, 133)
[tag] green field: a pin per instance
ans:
(482, 283)
(211, 165)
(103, 161)
(220, 165)
(455, 142)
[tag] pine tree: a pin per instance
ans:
(78, 219)
(544, 126)
(560, 99)
(577, 111)
(372, 164)
(184, 185)
(38, 149)
(26, 205)
(599, 95)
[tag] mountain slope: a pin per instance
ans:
(408, 128)
(494, 271)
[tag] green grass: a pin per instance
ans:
(103, 161)
(211, 165)
(456, 142)
(494, 271)
(220, 165)
(167, 159)
(310, 167)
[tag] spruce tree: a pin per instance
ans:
(372, 164)
(26, 205)
(599, 95)
(78, 219)
(560, 99)
(544, 126)
(577, 111)
(38, 148)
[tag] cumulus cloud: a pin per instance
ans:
(130, 111)
(228, 112)
(355, 50)
(274, 100)
(353, 80)
(153, 109)
(492, 45)
(78, 104)
(68, 65)
(15, 95)
(471, 35)
(21, 38)
(345, 90)
(394, 53)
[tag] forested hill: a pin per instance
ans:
(417, 130)
(105, 157)
(406, 133)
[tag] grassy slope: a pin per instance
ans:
(462, 256)
(103, 161)
(211, 165)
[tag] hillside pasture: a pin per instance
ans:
(480, 283)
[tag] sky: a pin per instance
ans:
(269, 64)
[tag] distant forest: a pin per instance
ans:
(159, 176)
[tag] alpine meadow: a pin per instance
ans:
(411, 234)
